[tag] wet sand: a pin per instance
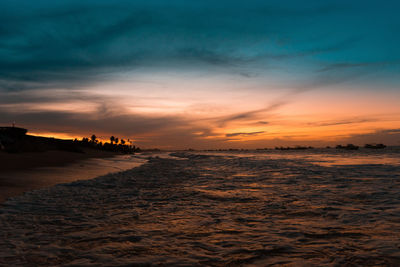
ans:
(30, 160)
(24, 172)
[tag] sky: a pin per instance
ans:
(203, 74)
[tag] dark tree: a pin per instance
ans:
(93, 138)
(112, 139)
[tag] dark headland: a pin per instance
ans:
(21, 151)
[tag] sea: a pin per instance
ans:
(315, 207)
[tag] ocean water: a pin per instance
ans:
(253, 208)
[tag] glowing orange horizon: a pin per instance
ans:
(221, 114)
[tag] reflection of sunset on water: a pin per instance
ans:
(221, 208)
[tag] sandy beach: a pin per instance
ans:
(213, 210)
(22, 172)
(31, 160)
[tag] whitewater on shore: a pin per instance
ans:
(295, 208)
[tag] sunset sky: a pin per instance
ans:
(203, 74)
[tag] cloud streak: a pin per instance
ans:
(343, 122)
(244, 134)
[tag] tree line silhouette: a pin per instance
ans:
(15, 140)
(115, 144)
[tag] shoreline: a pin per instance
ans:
(53, 158)
(24, 172)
